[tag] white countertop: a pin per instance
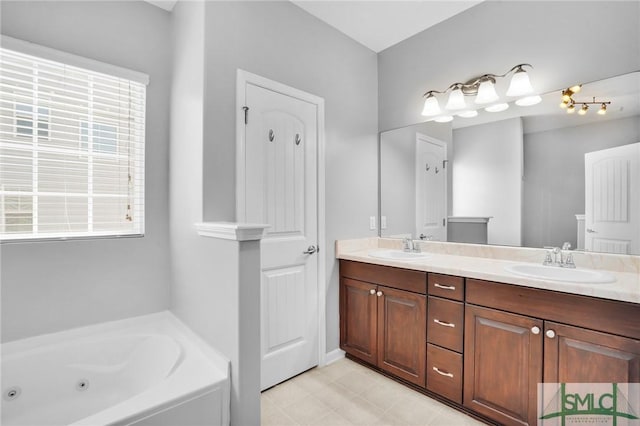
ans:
(625, 288)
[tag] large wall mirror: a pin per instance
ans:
(529, 176)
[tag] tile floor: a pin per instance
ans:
(346, 393)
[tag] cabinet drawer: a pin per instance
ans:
(402, 279)
(445, 323)
(447, 286)
(444, 372)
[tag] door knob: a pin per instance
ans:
(372, 291)
(591, 231)
(310, 250)
(379, 293)
(535, 330)
(550, 334)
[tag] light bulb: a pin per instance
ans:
(486, 92)
(468, 114)
(520, 84)
(584, 109)
(431, 106)
(564, 104)
(444, 119)
(576, 88)
(456, 100)
(497, 107)
(571, 109)
(603, 109)
(529, 100)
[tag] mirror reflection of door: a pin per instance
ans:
(612, 200)
(431, 188)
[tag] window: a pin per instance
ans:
(71, 148)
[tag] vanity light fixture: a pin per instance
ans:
(570, 104)
(484, 90)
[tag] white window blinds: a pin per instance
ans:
(71, 150)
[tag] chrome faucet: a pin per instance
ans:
(566, 259)
(409, 245)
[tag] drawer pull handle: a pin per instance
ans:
(446, 324)
(444, 287)
(442, 373)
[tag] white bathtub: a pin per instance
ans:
(149, 370)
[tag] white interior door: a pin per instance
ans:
(281, 180)
(431, 188)
(612, 200)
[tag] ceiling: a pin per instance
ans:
(375, 24)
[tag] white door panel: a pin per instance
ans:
(612, 200)
(281, 190)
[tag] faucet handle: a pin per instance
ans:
(568, 262)
(547, 259)
(566, 245)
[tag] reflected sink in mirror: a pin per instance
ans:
(398, 255)
(555, 273)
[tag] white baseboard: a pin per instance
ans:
(333, 356)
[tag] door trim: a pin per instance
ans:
(242, 79)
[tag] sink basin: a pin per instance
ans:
(397, 255)
(554, 273)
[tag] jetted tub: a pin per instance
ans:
(149, 370)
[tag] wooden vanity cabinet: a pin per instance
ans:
(516, 340)
(383, 314)
(492, 343)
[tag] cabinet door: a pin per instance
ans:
(402, 334)
(358, 305)
(502, 365)
(575, 355)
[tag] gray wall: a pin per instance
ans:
(52, 286)
(280, 41)
(554, 188)
(487, 177)
(556, 37)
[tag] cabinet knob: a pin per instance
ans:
(535, 330)
(379, 293)
(372, 291)
(550, 334)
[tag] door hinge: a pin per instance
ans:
(246, 114)
(444, 221)
(444, 163)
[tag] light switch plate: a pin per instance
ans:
(383, 222)
(372, 223)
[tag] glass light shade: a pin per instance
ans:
(486, 93)
(456, 100)
(443, 119)
(603, 109)
(520, 84)
(576, 88)
(584, 109)
(529, 100)
(431, 106)
(571, 109)
(468, 114)
(564, 104)
(497, 107)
